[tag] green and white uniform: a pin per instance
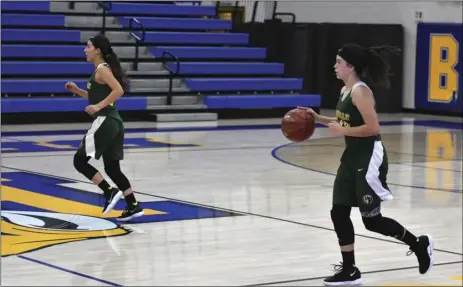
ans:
(361, 177)
(106, 135)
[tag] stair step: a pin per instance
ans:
(186, 117)
(147, 73)
(176, 100)
(159, 90)
(91, 22)
(113, 36)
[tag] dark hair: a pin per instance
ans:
(102, 43)
(371, 63)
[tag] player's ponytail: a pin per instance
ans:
(371, 63)
(102, 43)
(377, 68)
(113, 62)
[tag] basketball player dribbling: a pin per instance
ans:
(105, 138)
(361, 177)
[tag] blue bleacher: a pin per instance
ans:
(261, 101)
(37, 86)
(227, 68)
(38, 6)
(180, 23)
(32, 86)
(243, 84)
(153, 9)
(42, 35)
(47, 68)
(32, 20)
(72, 51)
(22, 38)
(42, 51)
(186, 68)
(212, 52)
(204, 38)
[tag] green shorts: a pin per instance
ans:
(361, 178)
(104, 138)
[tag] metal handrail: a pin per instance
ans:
(105, 8)
(172, 74)
(137, 38)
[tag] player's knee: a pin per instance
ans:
(340, 215)
(373, 223)
(81, 165)
(113, 170)
(340, 212)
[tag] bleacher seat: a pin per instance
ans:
(47, 68)
(243, 84)
(40, 35)
(260, 101)
(179, 23)
(42, 51)
(37, 6)
(204, 38)
(211, 52)
(227, 68)
(30, 20)
(37, 86)
(153, 9)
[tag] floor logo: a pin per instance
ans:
(40, 211)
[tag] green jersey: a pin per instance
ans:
(98, 92)
(349, 116)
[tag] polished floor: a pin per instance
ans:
(231, 203)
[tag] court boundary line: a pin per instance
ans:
(139, 151)
(440, 124)
(363, 273)
(426, 167)
(67, 270)
(232, 210)
(275, 150)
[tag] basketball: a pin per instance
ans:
(297, 125)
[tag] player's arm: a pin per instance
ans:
(363, 99)
(72, 87)
(82, 93)
(325, 120)
(318, 118)
(107, 77)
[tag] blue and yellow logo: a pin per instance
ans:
(40, 211)
(438, 79)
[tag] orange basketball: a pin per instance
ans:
(298, 125)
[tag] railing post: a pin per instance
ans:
(171, 73)
(169, 94)
(137, 39)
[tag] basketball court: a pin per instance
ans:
(226, 204)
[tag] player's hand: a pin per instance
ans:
(336, 128)
(72, 87)
(310, 111)
(92, 109)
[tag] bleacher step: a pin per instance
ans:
(119, 37)
(91, 22)
(79, 7)
(186, 117)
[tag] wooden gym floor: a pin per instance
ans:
(228, 203)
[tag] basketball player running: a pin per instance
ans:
(106, 135)
(361, 177)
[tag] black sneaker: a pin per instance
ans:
(344, 277)
(111, 199)
(131, 213)
(424, 252)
